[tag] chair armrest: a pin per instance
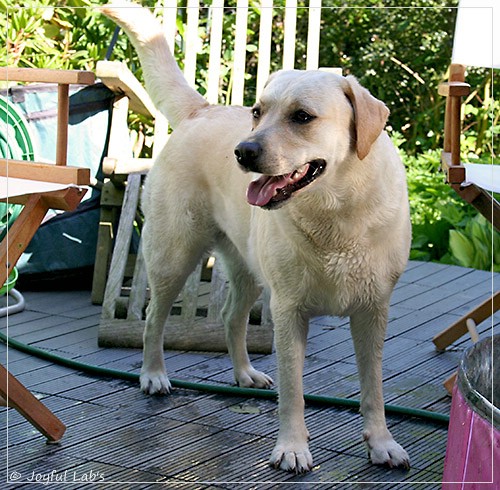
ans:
(41, 75)
(44, 172)
(454, 89)
(455, 174)
(118, 78)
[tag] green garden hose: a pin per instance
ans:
(16, 142)
(217, 389)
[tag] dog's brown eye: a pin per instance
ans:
(302, 117)
(256, 112)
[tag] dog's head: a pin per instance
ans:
(304, 123)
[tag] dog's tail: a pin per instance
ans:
(165, 82)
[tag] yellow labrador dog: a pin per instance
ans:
(304, 194)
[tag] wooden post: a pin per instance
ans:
(455, 129)
(62, 123)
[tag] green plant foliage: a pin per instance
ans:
(431, 200)
(445, 228)
(399, 49)
(40, 34)
(477, 245)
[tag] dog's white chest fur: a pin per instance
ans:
(324, 273)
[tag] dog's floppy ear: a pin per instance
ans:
(370, 115)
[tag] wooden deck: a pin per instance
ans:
(195, 440)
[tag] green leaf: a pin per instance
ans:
(482, 255)
(461, 248)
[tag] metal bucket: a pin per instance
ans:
(473, 449)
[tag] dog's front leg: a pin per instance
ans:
(368, 333)
(291, 452)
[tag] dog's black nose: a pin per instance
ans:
(247, 153)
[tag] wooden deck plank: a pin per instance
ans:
(189, 438)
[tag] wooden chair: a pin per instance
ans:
(125, 293)
(474, 37)
(39, 187)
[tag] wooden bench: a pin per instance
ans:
(122, 289)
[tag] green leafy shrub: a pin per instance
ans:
(400, 54)
(446, 228)
(476, 245)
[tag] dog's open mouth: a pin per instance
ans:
(270, 191)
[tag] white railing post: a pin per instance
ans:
(240, 49)
(290, 28)
(192, 41)
(264, 60)
(169, 23)
(313, 31)
(214, 61)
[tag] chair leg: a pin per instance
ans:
(20, 234)
(459, 328)
(32, 409)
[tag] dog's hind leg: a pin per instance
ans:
(368, 332)
(242, 294)
(170, 258)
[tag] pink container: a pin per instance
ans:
(473, 449)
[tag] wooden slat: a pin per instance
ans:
(103, 250)
(200, 335)
(482, 201)
(218, 286)
(239, 60)
(125, 166)
(138, 291)
(64, 199)
(44, 172)
(122, 246)
(118, 78)
(190, 297)
(266, 318)
(41, 75)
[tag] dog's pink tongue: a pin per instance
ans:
(261, 191)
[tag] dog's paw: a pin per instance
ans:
(251, 378)
(385, 450)
(155, 383)
(293, 458)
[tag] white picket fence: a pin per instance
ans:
(216, 17)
